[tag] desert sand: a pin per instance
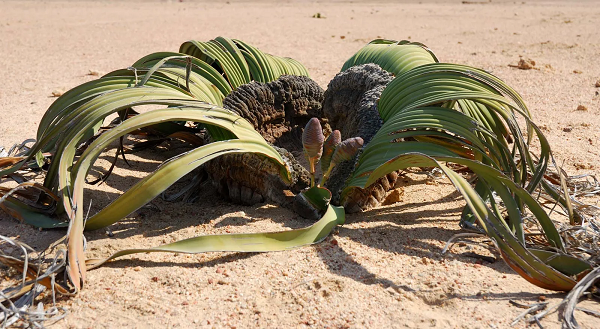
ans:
(382, 269)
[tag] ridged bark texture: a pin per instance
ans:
(350, 105)
(278, 110)
(248, 178)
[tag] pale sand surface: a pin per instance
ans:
(383, 268)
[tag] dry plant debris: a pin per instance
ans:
(524, 64)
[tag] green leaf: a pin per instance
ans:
(393, 56)
(29, 215)
(318, 197)
(245, 242)
(567, 265)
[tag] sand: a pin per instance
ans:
(384, 267)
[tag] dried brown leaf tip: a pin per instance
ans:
(312, 140)
(332, 141)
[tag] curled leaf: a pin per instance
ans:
(312, 140)
(346, 150)
(312, 203)
(332, 141)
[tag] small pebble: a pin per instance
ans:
(582, 108)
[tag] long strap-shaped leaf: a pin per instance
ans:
(477, 94)
(82, 108)
(209, 84)
(170, 171)
(245, 242)
(77, 124)
(481, 96)
(112, 81)
(225, 54)
(241, 62)
(394, 57)
(149, 187)
(197, 111)
(202, 68)
(384, 147)
(516, 255)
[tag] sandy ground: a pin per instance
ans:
(384, 267)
